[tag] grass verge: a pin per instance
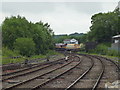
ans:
(8, 53)
(116, 59)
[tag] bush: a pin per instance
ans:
(113, 53)
(101, 49)
(6, 54)
(52, 52)
(25, 46)
(9, 53)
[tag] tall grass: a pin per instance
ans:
(103, 49)
(49, 53)
(7, 53)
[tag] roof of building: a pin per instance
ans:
(70, 39)
(67, 39)
(117, 36)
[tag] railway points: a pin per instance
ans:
(80, 71)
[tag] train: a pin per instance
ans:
(76, 47)
(68, 47)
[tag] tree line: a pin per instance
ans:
(27, 38)
(80, 37)
(104, 26)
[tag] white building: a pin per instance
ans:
(70, 41)
(116, 43)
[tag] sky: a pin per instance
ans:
(63, 17)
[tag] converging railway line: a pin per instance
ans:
(29, 70)
(78, 71)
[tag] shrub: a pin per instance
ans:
(25, 46)
(101, 49)
(9, 53)
(51, 52)
(113, 53)
(6, 54)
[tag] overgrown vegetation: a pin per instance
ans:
(102, 49)
(8, 54)
(80, 37)
(21, 35)
(25, 39)
(104, 26)
(51, 52)
(25, 46)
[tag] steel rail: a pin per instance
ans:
(32, 71)
(101, 73)
(100, 76)
(25, 69)
(38, 76)
(98, 80)
(22, 74)
(111, 61)
(71, 85)
(105, 59)
(44, 83)
(116, 64)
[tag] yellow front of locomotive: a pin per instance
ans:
(72, 46)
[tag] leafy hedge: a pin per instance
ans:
(25, 46)
(9, 53)
(104, 50)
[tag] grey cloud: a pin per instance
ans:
(46, 7)
(63, 17)
(85, 7)
(30, 7)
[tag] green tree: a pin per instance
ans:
(104, 26)
(13, 28)
(25, 46)
(18, 27)
(43, 37)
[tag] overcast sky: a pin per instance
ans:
(64, 18)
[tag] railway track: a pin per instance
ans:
(33, 76)
(95, 79)
(77, 83)
(29, 70)
(88, 72)
(67, 78)
(111, 72)
(63, 81)
(30, 67)
(92, 79)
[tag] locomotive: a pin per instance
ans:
(68, 47)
